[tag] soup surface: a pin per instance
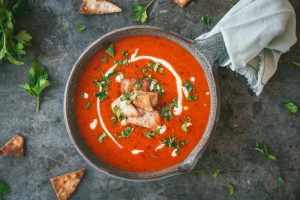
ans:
(142, 103)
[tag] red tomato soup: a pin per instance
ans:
(142, 104)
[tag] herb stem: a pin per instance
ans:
(37, 103)
(149, 4)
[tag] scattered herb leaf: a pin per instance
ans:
(216, 173)
(149, 134)
(292, 107)
(87, 105)
(296, 64)
(231, 188)
(4, 189)
(102, 136)
(170, 142)
(110, 50)
(139, 12)
(186, 124)
(189, 87)
(117, 111)
(206, 20)
(264, 150)
(80, 27)
(101, 95)
(114, 120)
(126, 132)
(125, 53)
(38, 81)
(104, 59)
(201, 171)
(280, 180)
(166, 111)
(192, 97)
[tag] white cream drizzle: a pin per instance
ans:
(177, 110)
(136, 151)
(85, 95)
(193, 79)
(185, 108)
(119, 78)
(207, 93)
(185, 91)
(93, 124)
(174, 153)
(159, 147)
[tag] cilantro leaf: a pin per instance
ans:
(38, 81)
(201, 171)
(126, 132)
(139, 12)
(149, 134)
(264, 150)
(4, 189)
(117, 111)
(292, 107)
(206, 20)
(216, 173)
(186, 124)
(101, 95)
(102, 136)
(231, 188)
(280, 180)
(110, 50)
(104, 59)
(80, 27)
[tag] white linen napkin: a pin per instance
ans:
(256, 33)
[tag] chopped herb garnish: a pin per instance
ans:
(4, 189)
(206, 20)
(126, 132)
(149, 134)
(159, 88)
(38, 81)
(170, 142)
(139, 12)
(114, 120)
(117, 111)
(125, 53)
(138, 83)
(125, 96)
(201, 171)
(154, 66)
(292, 107)
(144, 70)
(189, 87)
(80, 27)
(296, 64)
(123, 62)
(102, 136)
(101, 95)
(216, 173)
(161, 70)
(231, 188)
(87, 105)
(280, 180)
(166, 111)
(104, 59)
(192, 97)
(110, 50)
(186, 124)
(264, 150)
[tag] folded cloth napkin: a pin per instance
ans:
(256, 33)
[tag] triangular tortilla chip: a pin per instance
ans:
(93, 7)
(13, 147)
(66, 184)
(181, 3)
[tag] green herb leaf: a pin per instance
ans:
(104, 59)
(87, 105)
(80, 27)
(265, 151)
(206, 20)
(125, 53)
(117, 111)
(189, 87)
(126, 132)
(110, 50)
(38, 81)
(231, 188)
(192, 98)
(114, 120)
(170, 142)
(149, 134)
(101, 95)
(292, 107)
(166, 111)
(280, 180)
(4, 189)
(102, 136)
(186, 124)
(201, 171)
(216, 173)
(139, 12)
(296, 64)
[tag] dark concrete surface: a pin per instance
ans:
(244, 119)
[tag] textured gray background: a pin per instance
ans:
(245, 118)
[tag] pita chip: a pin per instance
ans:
(181, 3)
(13, 147)
(65, 185)
(93, 7)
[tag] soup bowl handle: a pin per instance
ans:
(213, 49)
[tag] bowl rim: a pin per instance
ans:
(189, 162)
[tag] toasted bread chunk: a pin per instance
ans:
(126, 110)
(14, 147)
(129, 85)
(93, 7)
(147, 119)
(181, 3)
(146, 100)
(66, 184)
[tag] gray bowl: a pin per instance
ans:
(205, 52)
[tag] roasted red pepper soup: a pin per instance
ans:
(142, 104)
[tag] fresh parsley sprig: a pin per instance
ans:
(38, 81)
(11, 45)
(4, 189)
(139, 12)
